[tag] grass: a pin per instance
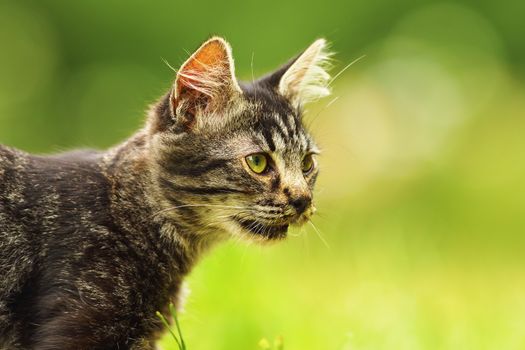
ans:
(179, 340)
(264, 344)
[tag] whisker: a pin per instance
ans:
(345, 68)
(306, 242)
(253, 77)
(312, 120)
(331, 102)
(199, 205)
(319, 234)
(169, 65)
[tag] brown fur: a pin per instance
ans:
(92, 243)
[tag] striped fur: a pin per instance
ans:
(93, 243)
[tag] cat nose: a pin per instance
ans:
(301, 203)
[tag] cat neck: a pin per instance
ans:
(138, 207)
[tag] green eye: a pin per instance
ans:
(308, 163)
(258, 162)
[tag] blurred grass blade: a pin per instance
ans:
(166, 323)
(174, 314)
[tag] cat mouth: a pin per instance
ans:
(265, 230)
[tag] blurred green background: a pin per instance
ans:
(421, 198)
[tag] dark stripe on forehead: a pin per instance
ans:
(309, 144)
(278, 130)
(298, 124)
(295, 128)
(264, 128)
(286, 121)
(302, 141)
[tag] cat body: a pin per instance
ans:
(92, 243)
(76, 254)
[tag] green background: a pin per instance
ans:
(421, 198)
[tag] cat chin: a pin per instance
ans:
(253, 231)
(269, 232)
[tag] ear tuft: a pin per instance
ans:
(207, 74)
(307, 78)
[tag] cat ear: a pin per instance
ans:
(306, 78)
(206, 79)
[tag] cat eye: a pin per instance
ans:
(258, 162)
(307, 164)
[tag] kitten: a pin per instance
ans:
(92, 243)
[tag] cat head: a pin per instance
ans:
(235, 158)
